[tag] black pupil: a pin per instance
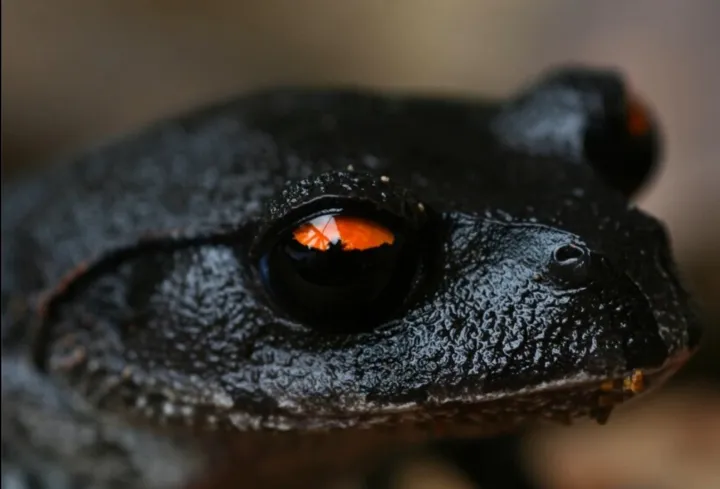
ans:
(338, 269)
(339, 285)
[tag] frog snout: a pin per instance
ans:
(629, 333)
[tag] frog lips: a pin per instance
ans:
(482, 414)
(559, 400)
(632, 382)
(583, 395)
(592, 396)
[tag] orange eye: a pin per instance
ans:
(352, 233)
(638, 119)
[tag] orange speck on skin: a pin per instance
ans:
(635, 382)
(352, 233)
(638, 119)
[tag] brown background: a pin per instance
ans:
(77, 71)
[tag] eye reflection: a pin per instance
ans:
(348, 232)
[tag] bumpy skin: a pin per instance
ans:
(131, 296)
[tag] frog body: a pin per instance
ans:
(534, 288)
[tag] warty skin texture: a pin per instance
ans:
(130, 280)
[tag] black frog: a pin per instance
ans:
(312, 275)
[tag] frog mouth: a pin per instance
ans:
(593, 396)
(471, 415)
(468, 414)
(564, 400)
(639, 381)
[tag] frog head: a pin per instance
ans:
(311, 261)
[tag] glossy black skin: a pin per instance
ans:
(168, 322)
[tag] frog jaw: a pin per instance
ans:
(561, 400)
(459, 414)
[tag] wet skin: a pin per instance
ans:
(157, 283)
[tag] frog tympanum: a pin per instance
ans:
(306, 276)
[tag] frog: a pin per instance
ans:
(278, 288)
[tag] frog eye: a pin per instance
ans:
(624, 146)
(341, 268)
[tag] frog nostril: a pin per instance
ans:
(568, 254)
(570, 263)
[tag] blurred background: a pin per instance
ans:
(77, 71)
